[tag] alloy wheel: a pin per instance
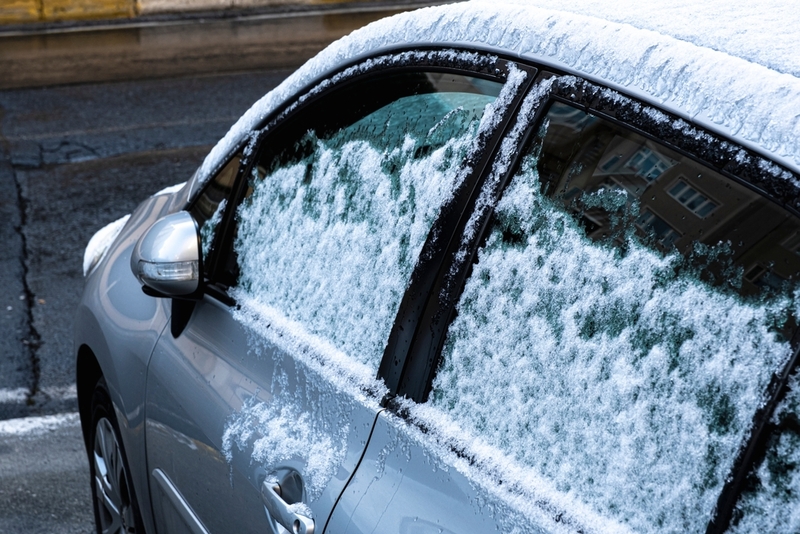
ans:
(116, 515)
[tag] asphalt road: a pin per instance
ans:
(74, 159)
(92, 121)
(76, 156)
(44, 477)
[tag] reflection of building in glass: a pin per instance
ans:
(671, 198)
(691, 198)
(763, 277)
(793, 243)
(648, 164)
(665, 234)
(569, 117)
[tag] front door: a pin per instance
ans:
(259, 409)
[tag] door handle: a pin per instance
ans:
(281, 511)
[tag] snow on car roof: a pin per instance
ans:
(729, 67)
(763, 32)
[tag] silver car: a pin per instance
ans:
(474, 268)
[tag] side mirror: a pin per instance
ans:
(166, 258)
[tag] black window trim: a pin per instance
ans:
(398, 364)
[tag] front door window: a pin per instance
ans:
(342, 199)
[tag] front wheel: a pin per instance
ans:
(115, 509)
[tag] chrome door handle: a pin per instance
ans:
(281, 511)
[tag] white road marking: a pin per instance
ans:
(8, 396)
(61, 392)
(20, 395)
(37, 425)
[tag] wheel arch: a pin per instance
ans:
(88, 372)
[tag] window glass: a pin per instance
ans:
(621, 323)
(207, 210)
(343, 197)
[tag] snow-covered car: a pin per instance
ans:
(478, 267)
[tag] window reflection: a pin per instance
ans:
(671, 201)
(208, 209)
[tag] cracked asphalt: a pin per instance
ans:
(75, 158)
(72, 159)
(79, 150)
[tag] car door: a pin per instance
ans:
(264, 393)
(616, 339)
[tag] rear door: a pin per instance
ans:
(270, 381)
(601, 354)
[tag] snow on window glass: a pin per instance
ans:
(341, 204)
(772, 502)
(609, 340)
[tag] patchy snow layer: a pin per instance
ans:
(311, 423)
(171, 189)
(773, 505)
(16, 395)
(270, 325)
(625, 385)
(34, 426)
(743, 87)
(331, 240)
(507, 489)
(100, 241)
(20, 395)
(281, 431)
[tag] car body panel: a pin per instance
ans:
(120, 325)
(205, 392)
(399, 480)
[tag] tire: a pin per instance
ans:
(115, 507)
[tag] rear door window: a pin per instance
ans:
(343, 196)
(620, 327)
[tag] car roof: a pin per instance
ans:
(730, 67)
(764, 32)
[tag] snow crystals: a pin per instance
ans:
(331, 240)
(624, 384)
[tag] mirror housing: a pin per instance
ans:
(166, 258)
